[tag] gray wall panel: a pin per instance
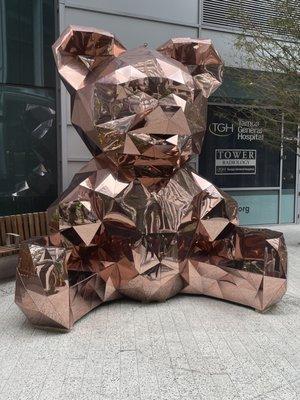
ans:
(77, 150)
(224, 43)
(73, 167)
(181, 11)
(130, 31)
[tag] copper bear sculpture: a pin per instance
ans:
(137, 221)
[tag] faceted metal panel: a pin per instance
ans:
(136, 220)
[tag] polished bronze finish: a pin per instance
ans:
(137, 221)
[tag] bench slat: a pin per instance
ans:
(43, 225)
(8, 225)
(31, 225)
(20, 230)
(14, 223)
(2, 231)
(25, 222)
(37, 224)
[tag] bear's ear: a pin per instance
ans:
(80, 50)
(201, 58)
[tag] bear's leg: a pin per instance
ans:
(50, 295)
(249, 267)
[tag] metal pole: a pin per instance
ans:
(297, 181)
(280, 169)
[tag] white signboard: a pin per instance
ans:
(235, 162)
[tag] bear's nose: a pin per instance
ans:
(173, 123)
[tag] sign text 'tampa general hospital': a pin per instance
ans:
(235, 161)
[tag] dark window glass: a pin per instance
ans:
(288, 178)
(28, 140)
(48, 40)
(289, 163)
(28, 173)
(234, 153)
(27, 32)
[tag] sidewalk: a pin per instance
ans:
(188, 348)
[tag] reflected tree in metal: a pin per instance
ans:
(137, 221)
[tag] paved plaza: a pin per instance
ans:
(189, 348)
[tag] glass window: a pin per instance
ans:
(27, 33)
(234, 154)
(257, 207)
(28, 141)
(287, 214)
(28, 150)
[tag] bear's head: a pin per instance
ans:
(145, 109)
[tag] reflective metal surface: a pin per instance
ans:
(137, 221)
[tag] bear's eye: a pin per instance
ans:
(170, 108)
(160, 136)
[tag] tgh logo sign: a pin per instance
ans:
(221, 128)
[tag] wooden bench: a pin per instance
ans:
(15, 228)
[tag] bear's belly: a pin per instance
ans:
(146, 237)
(145, 268)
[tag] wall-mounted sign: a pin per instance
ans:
(240, 157)
(221, 128)
(243, 128)
(235, 161)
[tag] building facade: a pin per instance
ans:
(264, 181)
